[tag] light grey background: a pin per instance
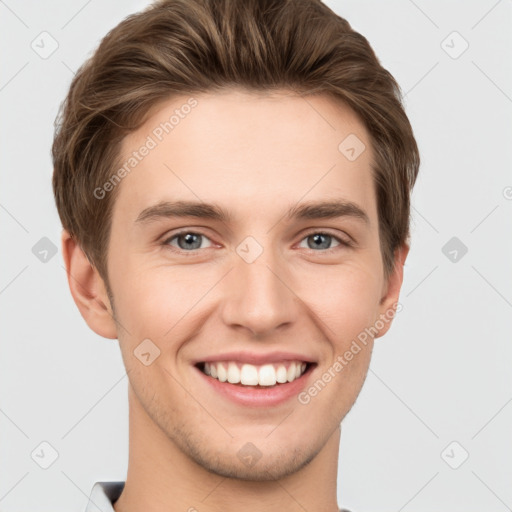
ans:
(442, 373)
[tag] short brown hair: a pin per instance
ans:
(192, 46)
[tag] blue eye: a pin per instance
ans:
(323, 240)
(191, 240)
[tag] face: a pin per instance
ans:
(274, 280)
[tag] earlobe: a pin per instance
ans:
(391, 292)
(88, 289)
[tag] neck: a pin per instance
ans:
(162, 478)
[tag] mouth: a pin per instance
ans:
(255, 386)
(245, 375)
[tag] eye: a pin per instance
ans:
(190, 241)
(187, 240)
(321, 240)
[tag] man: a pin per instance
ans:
(233, 179)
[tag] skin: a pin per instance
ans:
(255, 155)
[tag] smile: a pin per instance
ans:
(255, 385)
(246, 374)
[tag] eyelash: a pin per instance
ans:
(343, 243)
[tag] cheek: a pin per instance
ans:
(345, 298)
(158, 302)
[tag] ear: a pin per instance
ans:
(88, 289)
(391, 291)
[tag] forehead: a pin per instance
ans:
(240, 149)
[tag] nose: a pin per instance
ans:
(258, 297)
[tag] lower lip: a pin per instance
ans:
(264, 396)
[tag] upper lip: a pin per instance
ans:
(256, 358)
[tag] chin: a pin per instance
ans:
(267, 468)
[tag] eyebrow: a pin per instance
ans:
(305, 211)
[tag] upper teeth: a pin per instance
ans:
(251, 375)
